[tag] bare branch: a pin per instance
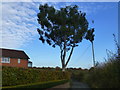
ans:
(69, 56)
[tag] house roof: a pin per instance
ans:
(13, 53)
(29, 62)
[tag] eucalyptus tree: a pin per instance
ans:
(65, 27)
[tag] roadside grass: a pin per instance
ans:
(104, 75)
(41, 85)
(70, 83)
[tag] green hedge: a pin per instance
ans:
(42, 85)
(19, 76)
(106, 75)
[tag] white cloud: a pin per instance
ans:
(19, 23)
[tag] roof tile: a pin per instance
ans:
(14, 53)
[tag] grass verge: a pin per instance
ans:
(41, 85)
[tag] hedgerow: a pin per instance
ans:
(106, 75)
(41, 85)
(19, 76)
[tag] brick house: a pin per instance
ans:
(14, 58)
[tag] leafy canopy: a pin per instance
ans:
(90, 35)
(66, 26)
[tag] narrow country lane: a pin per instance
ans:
(76, 84)
(65, 86)
(73, 86)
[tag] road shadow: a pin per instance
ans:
(75, 84)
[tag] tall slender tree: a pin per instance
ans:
(64, 28)
(90, 37)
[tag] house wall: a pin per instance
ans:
(14, 63)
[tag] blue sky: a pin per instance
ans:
(19, 24)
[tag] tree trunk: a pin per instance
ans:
(93, 54)
(63, 69)
(63, 59)
(63, 56)
(63, 65)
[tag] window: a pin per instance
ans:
(29, 64)
(18, 60)
(5, 60)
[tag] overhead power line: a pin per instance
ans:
(84, 52)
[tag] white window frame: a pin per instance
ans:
(5, 60)
(19, 60)
(29, 65)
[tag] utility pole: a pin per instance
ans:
(119, 28)
(93, 54)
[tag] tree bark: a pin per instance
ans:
(63, 69)
(64, 55)
(63, 60)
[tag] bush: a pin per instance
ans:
(19, 76)
(106, 75)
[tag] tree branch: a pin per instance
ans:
(69, 56)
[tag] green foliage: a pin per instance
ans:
(90, 35)
(41, 85)
(20, 76)
(106, 75)
(79, 75)
(64, 28)
(65, 25)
